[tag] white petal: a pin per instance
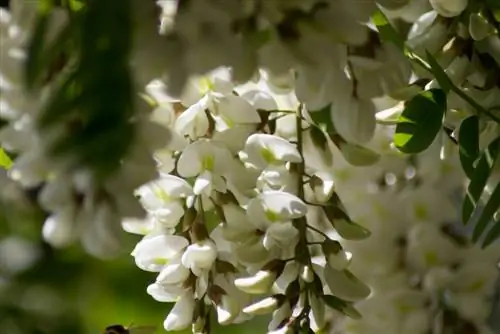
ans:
(203, 183)
(200, 255)
(152, 254)
(138, 226)
(165, 293)
(235, 109)
(260, 100)
(174, 273)
(193, 122)
(258, 284)
(181, 315)
(264, 149)
(272, 206)
(228, 310)
(174, 186)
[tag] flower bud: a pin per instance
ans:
(265, 306)
(228, 309)
(307, 274)
(58, 229)
(259, 283)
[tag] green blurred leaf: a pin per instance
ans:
(479, 179)
(439, 73)
(5, 161)
(487, 213)
(468, 140)
(34, 63)
(387, 32)
(420, 121)
(492, 235)
(341, 306)
(323, 119)
(318, 137)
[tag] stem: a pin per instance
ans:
(318, 231)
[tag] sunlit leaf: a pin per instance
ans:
(387, 32)
(5, 161)
(420, 121)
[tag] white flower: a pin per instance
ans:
(181, 315)
(263, 150)
(200, 255)
(234, 110)
(193, 122)
(152, 254)
(275, 206)
(173, 273)
(165, 293)
(259, 283)
(207, 162)
(228, 309)
(264, 306)
(163, 199)
(59, 229)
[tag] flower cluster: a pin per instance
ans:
(418, 261)
(229, 218)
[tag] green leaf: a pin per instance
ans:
(323, 119)
(468, 140)
(319, 138)
(487, 213)
(387, 32)
(341, 306)
(439, 73)
(357, 155)
(34, 65)
(479, 179)
(5, 161)
(492, 235)
(421, 121)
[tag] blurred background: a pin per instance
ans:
(48, 291)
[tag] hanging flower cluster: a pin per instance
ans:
(418, 261)
(229, 225)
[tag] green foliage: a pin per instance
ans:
(420, 121)
(92, 103)
(5, 161)
(479, 180)
(468, 140)
(439, 73)
(387, 32)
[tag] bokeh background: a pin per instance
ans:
(49, 291)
